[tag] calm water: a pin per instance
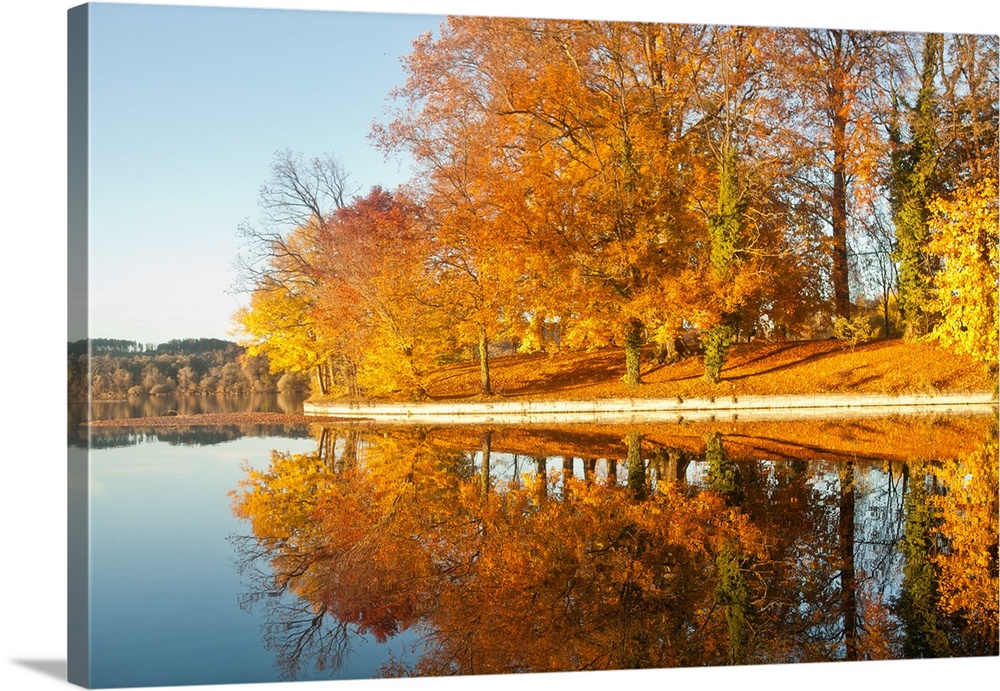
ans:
(253, 554)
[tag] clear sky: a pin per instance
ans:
(187, 107)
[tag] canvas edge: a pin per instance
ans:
(78, 459)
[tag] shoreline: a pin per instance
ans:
(757, 407)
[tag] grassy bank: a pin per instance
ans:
(806, 367)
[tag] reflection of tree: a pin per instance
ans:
(768, 562)
(949, 602)
(848, 574)
(917, 603)
(337, 543)
(588, 579)
(968, 564)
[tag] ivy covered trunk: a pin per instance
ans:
(716, 343)
(633, 352)
(913, 187)
(725, 227)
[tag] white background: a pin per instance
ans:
(32, 384)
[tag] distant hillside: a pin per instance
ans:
(121, 368)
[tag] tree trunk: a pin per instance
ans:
(633, 352)
(484, 364)
(886, 328)
(838, 140)
(321, 380)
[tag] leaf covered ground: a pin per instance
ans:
(802, 367)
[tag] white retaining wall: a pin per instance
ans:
(652, 410)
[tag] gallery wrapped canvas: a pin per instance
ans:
(413, 345)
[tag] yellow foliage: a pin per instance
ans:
(967, 240)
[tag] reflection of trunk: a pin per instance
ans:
(484, 364)
(917, 606)
(671, 464)
(732, 592)
(636, 466)
(589, 468)
(484, 472)
(633, 352)
(567, 475)
(723, 474)
(541, 481)
(612, 472)
(848, 583)
(327, 446)
(349, 458)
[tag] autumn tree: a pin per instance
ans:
(448, 127)
(756, 265)
(278, 267)
(915, 180)
(966, 240)
(832, 73)
(552, 170)
(962, 214)
(372, 264)
(337, 285)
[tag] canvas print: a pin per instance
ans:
(411, 345)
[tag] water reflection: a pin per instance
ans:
(516, 550)
(79, 434)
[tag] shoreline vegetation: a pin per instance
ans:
(628, 195)
(800, 374)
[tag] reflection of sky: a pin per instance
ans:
(164, 585)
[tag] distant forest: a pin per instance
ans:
(120, 368)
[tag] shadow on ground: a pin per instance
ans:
(50, 668)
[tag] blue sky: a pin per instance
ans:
(188, 106)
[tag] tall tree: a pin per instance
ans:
(372, 266)
(760, 268)
(915, 181)
(832, 73)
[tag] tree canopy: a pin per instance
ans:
(582, 184)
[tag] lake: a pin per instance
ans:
(253, 554)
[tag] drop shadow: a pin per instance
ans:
(50, 668)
